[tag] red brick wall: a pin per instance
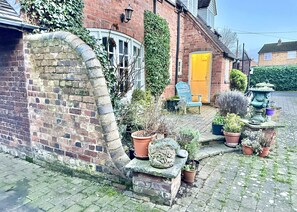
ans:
(14, 121)
(104, 14)
(64, 121)
(98, 14)
(195, 40)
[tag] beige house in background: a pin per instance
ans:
(280, 53)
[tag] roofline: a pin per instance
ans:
(17, 24)
(225, 54)
(196, 21)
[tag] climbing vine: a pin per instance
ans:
(67, 15)
(157, 47)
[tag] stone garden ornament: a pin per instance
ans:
(162, 152)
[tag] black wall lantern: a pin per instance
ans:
(128, 14)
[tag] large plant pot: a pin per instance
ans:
(269, 111)
(264, 152)
(232, 139)
(217, 129)
(171, 104)
(247, 150)
(141, 143)
(189, 176)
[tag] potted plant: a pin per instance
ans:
(265, 147)
(270, 109)
(171, 103)
(217, 124)
(251, 142)
(232, 129)
(148, 117)
(188, 139)
(247, 146)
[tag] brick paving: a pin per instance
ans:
(229, 182)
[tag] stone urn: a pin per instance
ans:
(162, 152)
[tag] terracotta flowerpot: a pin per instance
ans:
(232, 139)
(141, 143)
(265, 152)
(247, 150)
(189, 176)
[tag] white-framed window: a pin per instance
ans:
(180, 67)
(227, 71)
(125, 53)
(192, 6)
(291, 54)
(268, 56)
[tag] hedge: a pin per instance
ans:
(283, 77)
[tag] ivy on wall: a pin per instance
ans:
(67, 15)
(283, 77)
(157, 47)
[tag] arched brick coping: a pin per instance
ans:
(102, 98)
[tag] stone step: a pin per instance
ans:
(212, 150)
(208, 138)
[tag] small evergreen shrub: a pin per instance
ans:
(232, 123)
(232, 102)
(238, 80)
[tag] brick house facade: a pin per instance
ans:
(195, 36)
(280, 53)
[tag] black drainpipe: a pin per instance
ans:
(179, 11)
(155, 6)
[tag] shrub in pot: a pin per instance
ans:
(251, 141)
(233, 102)
(265, 147)
(188, 139)
(150, 121)
(247, 146)
(232, 129)
(217, 124)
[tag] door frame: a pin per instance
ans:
(190, 68)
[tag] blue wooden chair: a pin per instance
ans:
(184, 93)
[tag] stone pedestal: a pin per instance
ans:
(268, 128)
(161, 185)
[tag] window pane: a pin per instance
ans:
(121, 47)
(104, 42)
(268, 56)
(126, 47)
(291, 54)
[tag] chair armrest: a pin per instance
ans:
(199, 97)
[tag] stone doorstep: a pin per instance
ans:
(213, 150)
(209, 138)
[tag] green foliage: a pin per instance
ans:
(157, 47)
(232, 102)
(188, 139)
(238, 80)
(232, 123)
(283, 77)
(189, 167)
(67, 15)
(218, 119)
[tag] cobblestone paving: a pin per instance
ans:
(229, 182)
